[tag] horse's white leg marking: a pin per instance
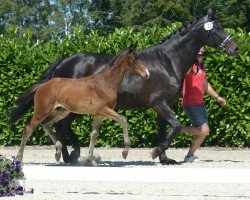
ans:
(56, 116)
(27, 132)
(127, 141)
(94, 134)
(57, 143)
(108, 112)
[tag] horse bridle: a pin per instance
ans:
(222, 46)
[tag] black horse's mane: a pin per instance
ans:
(181, 31)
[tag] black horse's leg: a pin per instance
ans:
(165, 115)
(161, 137)
(60, 134)
(63, 128)
(161, 129)
(75, 154)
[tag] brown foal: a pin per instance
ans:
(93, 95)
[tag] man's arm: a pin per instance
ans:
(209, 89)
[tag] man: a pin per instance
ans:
(194, 87)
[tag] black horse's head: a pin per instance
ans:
(215, 35)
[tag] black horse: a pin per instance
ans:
(167, 62)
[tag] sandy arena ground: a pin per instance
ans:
(139, 160)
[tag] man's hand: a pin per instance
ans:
(221, 101)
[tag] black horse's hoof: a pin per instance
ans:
(168, 161)
(67, 160)
(155, 152)
(74, 155)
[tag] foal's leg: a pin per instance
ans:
(109, 113)
(94, 134)
(57, 115)
(56, 142)
(28, 130)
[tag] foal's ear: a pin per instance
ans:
(210, 14)
(132, 47)
(118, 59)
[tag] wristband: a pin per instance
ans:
(217, 97)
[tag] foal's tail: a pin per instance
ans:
(26, 100)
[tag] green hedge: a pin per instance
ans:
(22, 63)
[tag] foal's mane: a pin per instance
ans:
(110, 65)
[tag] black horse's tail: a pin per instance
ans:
(26, 100)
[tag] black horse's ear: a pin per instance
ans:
(210, 15)
(113, 62)
(132, 47)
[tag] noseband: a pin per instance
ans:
(225, 41)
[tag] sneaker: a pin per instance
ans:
(190, 159)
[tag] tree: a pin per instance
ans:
(46, 17)
(68, 13)
(43, 17)
(233, 13)
(105, 15)
(102, 15)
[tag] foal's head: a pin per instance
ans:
(129, 61)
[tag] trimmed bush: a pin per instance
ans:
(22, 62)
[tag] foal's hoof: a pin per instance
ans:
(19, 158)
(91, 163)
(124, 154)
(155, 153)
(57, 157)
(58, 150)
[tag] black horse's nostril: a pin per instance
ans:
(236, 49)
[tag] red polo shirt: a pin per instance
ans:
(194, 86)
